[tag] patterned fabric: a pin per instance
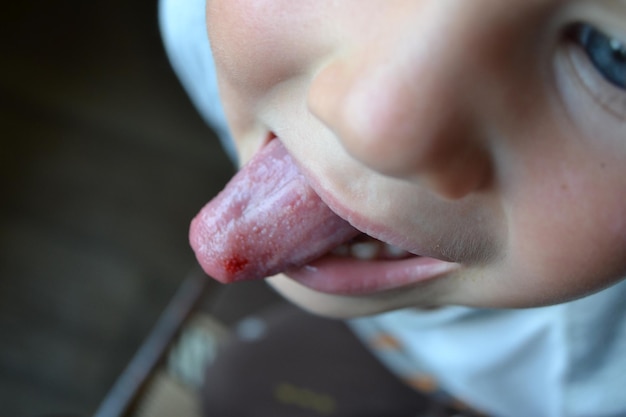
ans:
(559, 361)
(391, 351)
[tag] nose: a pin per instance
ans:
(404, 103)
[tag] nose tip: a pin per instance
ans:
(418, 128)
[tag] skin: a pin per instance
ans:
(471, 131)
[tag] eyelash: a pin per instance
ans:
(603, 51)
(599, 61)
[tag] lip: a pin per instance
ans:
(347, 276)
(350, 276)
(363, 223)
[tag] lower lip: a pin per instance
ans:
(349, 276)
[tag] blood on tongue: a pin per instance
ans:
(266, 220)
(235, 264)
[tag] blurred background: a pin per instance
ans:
(103, 162)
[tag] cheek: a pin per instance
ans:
(240, 43)
(259, 43)
(605, 223)
(572, 229)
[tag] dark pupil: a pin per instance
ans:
(607, 55)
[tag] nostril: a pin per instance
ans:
(460, 175)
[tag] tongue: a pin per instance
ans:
(267, 219)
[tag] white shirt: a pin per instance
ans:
(567, 360)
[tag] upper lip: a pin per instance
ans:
(364, 224)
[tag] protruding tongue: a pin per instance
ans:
(267, 219)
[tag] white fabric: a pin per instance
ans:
(183, 28)
(567, 360)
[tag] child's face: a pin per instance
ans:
(488, 133)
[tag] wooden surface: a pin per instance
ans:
(103, 162)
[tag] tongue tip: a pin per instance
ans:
(267, 219)
(225, 268)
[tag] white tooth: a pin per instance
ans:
(365, 250)
(341, 250)
(394, 251)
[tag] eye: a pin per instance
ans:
(607, 54)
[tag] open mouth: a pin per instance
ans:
(269, 220)
(366, 248)
(365, 265)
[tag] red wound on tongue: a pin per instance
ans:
(267, 219)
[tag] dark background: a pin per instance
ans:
(103, 162)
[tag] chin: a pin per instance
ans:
(338, 306)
